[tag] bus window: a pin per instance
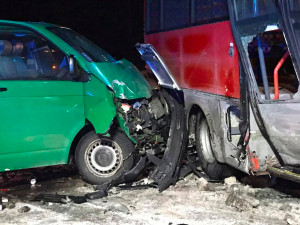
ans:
(258, 24)
(274, 48)
(176, 13)
(254, 8)
(153, 16)
(209, 11)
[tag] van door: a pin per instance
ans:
(41, 107)
(271, 66)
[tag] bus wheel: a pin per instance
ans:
(208, 162)
(103, 160)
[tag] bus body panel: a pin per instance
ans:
(199, 59)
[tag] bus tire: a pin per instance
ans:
(104, 160)
(208, 162)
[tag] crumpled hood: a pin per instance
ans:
(123, 77)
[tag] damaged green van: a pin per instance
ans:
(64, 99)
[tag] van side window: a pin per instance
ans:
(25, 55)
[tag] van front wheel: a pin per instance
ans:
(102, 159)
(208, 162)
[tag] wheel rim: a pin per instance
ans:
(104, 157)
(205, 139)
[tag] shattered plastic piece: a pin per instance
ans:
(96, 195)
(125, 107)
(137, 105)
(136, 187)
(147, 181)
(33, 181)
(64, 199)
(139, 127)
(4, 199)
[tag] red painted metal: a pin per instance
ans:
(279, 65)
(198, 57)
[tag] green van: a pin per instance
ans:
(64, 98)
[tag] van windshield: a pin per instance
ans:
(82, 45)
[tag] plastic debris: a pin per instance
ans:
(33, 181)
(4, 199)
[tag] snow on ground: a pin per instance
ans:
(190, 201)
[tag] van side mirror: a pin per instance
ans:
(72, 64)
(77, 73)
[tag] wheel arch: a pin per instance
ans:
(87, 128)
(209, 107)
(194, 110)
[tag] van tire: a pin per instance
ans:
(208, 162)
(104, 160)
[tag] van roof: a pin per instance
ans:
(29, 24)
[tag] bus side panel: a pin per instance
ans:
(199, 57)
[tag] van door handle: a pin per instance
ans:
(3, 89)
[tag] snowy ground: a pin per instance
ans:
(190, 201)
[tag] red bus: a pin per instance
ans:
(237, 64)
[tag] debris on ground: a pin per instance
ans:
(203, 184)
(24, 209)
(33, 181)
(240, 197)
(63, 199)
(118, 207)
(191, 201)
(11, 205)
(241, 201)
(96, 195)
(292, 219)
(230, 181)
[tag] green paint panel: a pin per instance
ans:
(37, 117)
(123, 77)
(99, 106)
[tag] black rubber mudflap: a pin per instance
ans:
(167, 169)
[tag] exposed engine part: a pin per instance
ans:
(157, 126)
(156, 108)
(125, 107)
(148, 122)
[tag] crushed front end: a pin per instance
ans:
(156, 126)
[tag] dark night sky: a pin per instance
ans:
(114, 25)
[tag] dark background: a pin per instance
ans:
(114, 25)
